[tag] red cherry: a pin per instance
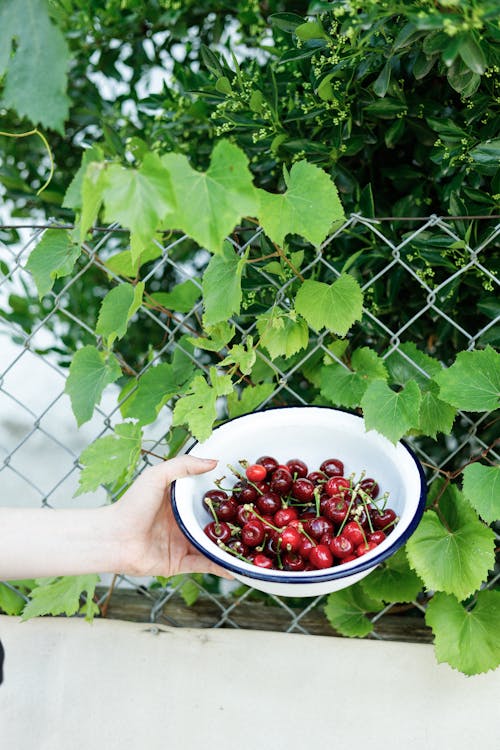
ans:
(303, 490)
(244, 493)
(245, 513)
(370, 486)
(336, 485)
(321, 557)
(305, 548)
(218, 531)
(268, 503)
(317, 477)
(354, 533)
(365, 547)
(256, 473)
(337, 511)
(263, 561)
(377, 537)
(238, 546)
(281, 481)
(268, 462)
(284, 516)
(318, 526)
(332, 467)
(341, 547)
(293, 561)
(384, 519)
(291, 539)
(252, 533)
(297, 468)
(347, 559)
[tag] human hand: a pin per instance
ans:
(151, 542)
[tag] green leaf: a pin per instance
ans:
(435, 415)
(61, 596)
(407, 363)
(117, 307)
(381, 83)
(241, 355)
(90, 372)
(197, 409)
(472, 54)
(218, 198)
(155, 389)
(346, 611)
(139, 199)
(452, 550)
(466, 639)
(282, 334)
(487, 153)
(250, 399)
(391, 413)
(286, 21)
(220, 335)
(310, 30)
(93, 185)
(111, 458)
(36, 66)
(481, 487)
(344, 387)
(308, 208)
(472, 383)
(332, 306)
(73, 195)
(53, 257)
(11, 602)
(182, 298)
(123, 264)
(393, 580)
(222, 286)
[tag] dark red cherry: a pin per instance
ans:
(354, 533)
(383, 520)
(218, 531)
(245, 513)
(269, 463)
(227, 509)
(305, 548)
(245, 493)
(268, 503)
(321, 557)
(332, 467)
(238, 547)
(284, 516)
(263, 561)
(303, 490)
(337, 511)
(293, 561)
(336, 486)
(297, 468)
(370, 486)
(213, 497)
(341, 547)
(281, 482)
(376, 536)
(318, 526)
(291, 539)
(252, 533)
(364, 547)
(317, 477)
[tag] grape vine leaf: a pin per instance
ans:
(481, 487)
(53, 257)
(346, 387)
(11, 602)
(61, 596)
(436, 415)
(241, 355)
(117, 308)
(249, 400)
(111, 458)
(282, 334)
(90, 372)
(218, 198)
(182, 298)
(391, 413)
(153, 390)
(332, 306)
(93, 184)
(393, 580)
(34, 58)
(308, 208)
(452, 550)
(222, 286)
(466, 639)
(472, 383)
(73, 195)
(220, 335)
(346, 611)
(139, 199)
(123, 264)
(197, 408)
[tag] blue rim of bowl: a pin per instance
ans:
(330, 574)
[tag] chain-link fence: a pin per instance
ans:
(431, 281)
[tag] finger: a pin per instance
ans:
(179, 467)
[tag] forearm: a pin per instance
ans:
(35, 543)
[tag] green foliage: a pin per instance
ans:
(347, 610)
(393, 580)
(332, 306)
(118, 306)
(222, 286)
(62, 596)
(90, 372)
(111, 460)
(393, 414)
(481, 487)
(473, 381)
(53, 258)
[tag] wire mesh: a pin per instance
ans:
(409, 275)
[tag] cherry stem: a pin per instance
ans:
(214, 514)
(233, 552)
(252, 510)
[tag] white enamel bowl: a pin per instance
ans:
(312, 434)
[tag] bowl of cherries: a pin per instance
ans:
(303, 501)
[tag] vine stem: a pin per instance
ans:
(37, 132)
(150, 453)
(288, 262)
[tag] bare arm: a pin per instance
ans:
(137, 535)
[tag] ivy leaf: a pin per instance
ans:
(139, 199)
(452, 551)
(53, 257)
(332, 306)
(222, 286)
(472, 383)
(481, 487)
(89, 374)
(110, 458)
(344, 387)
(36, 72)
(218, 198)
(197, 408)
(308, 208)
(11, 602)
(346, 611)
(435, 415)
(466, 639)
(241, 355)
(391, 413)
(250, 399)
(393, 580)
(117, 307)
(282, 334)
(153, 390)
(182, 298)
(61, 596)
